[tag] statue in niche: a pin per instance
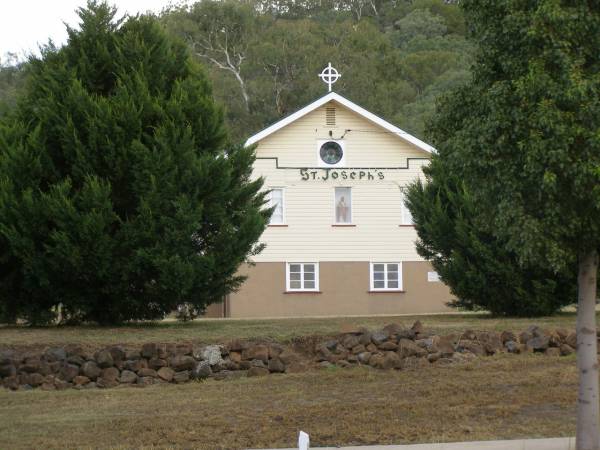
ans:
(341, 211)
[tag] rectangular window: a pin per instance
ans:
(343, 205)
(276, 200)
(406, 216)
(302, 277)
(386, 276)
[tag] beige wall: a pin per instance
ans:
(309, 204)
(344, 288)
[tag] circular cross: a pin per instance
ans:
(329, 75)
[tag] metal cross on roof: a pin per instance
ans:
(329, 75)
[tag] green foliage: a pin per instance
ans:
(263, 56)
(119, 197)
(481, 273)
(524, 134)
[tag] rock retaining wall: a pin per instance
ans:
(393, 347)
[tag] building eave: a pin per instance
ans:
(332, 96)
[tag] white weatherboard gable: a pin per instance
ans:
(332, 96)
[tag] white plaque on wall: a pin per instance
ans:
(433, 277)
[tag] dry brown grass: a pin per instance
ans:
(501, 397)
(278, 329)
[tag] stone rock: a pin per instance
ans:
(132, 354)
(552, 351)
(104, 359)
(288, 357)
(147, 372)
(257, 372)
(55, 354)
(275, 350)
(184, 349)
(236, 357)
(538, 344)
(202, 370)
(103, 383)
(117, 352)
(406, 333)
(388, 346)
(110, 374)
(7, 370)
(392, 328)
(80, 380)
(323, 353)
(468, 335)
(30, 365)
(6, 357)
(35, 379)
(491, 342)
(157, 363)
(128, 377)
(376, 361)
(566, 350)
(365, 338)
(228, 365)
(364, 357)
(371, 347)
(182, 363)
(61, 384)
(76, 360)
(472, 347)
(182, 376)
(349, 341)
(379, 337)
(330, 345)
(149, 351)
(257, 363)
(524, 337)
(237, 345)
(91, 370)
(562, 333)
(352, 359)
(245, 365)
(69, 371)
(358, 349)
(12, 383)
(508, 336)
(433, 357)
(145, 381)
(407, 348)
(391, 360)
(418, 327)
(212, 354)
(512, 347)
(132, 364)
(571, 340)
(276, 366)
(166, 374)
(256, 352)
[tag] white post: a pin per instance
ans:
(303, 441)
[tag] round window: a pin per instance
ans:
(331, 152)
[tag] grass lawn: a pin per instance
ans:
(277, 329)
(500, 397)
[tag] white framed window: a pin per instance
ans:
(276, 199)
(405, 215)
(343, 205)
(386, 276)
(302, 276)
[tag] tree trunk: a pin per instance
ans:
(588, 408)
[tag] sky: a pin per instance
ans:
(24, 24)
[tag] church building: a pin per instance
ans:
(341, 241)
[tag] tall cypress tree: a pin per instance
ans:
(119, 196)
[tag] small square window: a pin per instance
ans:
(386, 276)
(302, 277)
